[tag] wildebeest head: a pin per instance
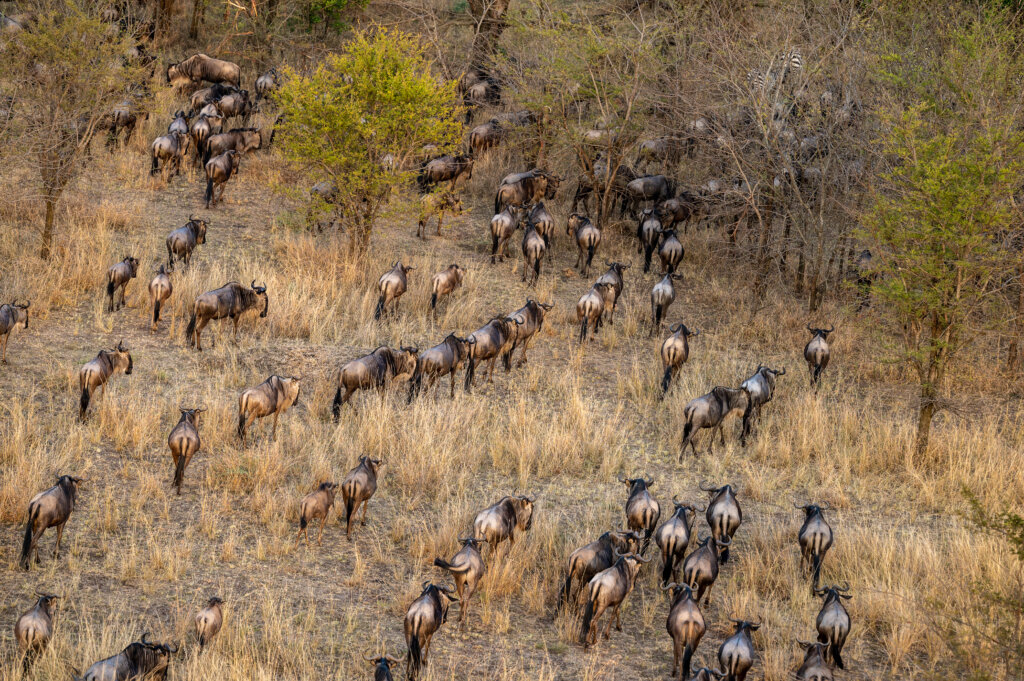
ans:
(523, 506)
(148, 657)
(823, 333)
(443, 595)
(382, 664)
(745, 626)
(406, 360)
(636, 484)
(69, 484)
(124, 356)
(618, 267)
(133, 264)
(215, 600)
(20, 312)
(291, 388)
(370, 463)
(198, 228)
(679, 592)
(191, 415)
(812, 509)
(261, 291)
(833, 592)
(686, 332)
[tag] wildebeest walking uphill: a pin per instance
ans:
(444, 169)
(495, 338)
(444, 359)
(391, 285)
(184, 442)
(182, 241)
(357, 489)
(598, 555)
(444, 282)
(171, 149)
(272, 397)
(49, 508)
(375, 370)
(200, 67)
(425, 616)
(11, 314)
(34, 629)
(96, 372)
(160, 289)
(532, 186)
(242, 140)
(219, 170)
(231, 300)
(118, 277)
(467, 569)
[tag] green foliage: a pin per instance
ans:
(331, 14)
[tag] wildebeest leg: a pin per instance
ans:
(365, 504)
(273, 432)
(522, 355)
(721, 433)
(320, 536)
(60, 533)
(490, 370)
(707, 600)
(579, 256)
(618, 622)
(36, 536)
(234, 320)
(4, 360)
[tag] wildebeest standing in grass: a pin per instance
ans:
(608, 589)
(12, 314)
(316, 504)
(504, 519)
(273, 396)
(444, 282)
(642, 510)
(670, 252)
(172, 149)
(652, 188)
(529, 187)
(374, 370)
(179, 124)
(266, 84)
(160, 289)
(700, 568)
(533, 251)
(444, 169)
(485, 136)
(815, 666)
(662, 296)
(182, 241)
(209, 621)
(200, 131)
(761, 388)
(34, 629)
(382, 665)
(724, 515)
(236, 105)
(587, 237)
(529, 321)
(231, 300)
(543, 222)
(685, 624)
(214, 118)
(391, 285)
(444, 359)
(815, 539)
(675, 351)
(242, 140)
(495, 338)
(422, 620)
(184, 442)
(219, 170)
(467, 568)
(833, 621)
(710, 411)
(503, 226)
(590, 309)
(139, 660)
(96, 372)
(817, 352)
(357, 489)
(614, 277)
(673, 538)
(50, 508)
(737, 654)
(435, 205)
(648, 230)
(598, 555)
(118, 277)
(200, 67)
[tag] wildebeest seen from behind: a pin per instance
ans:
(724, 515)
(172, 149)
(590, 308)
(652, 188)
(200, 131)
(663, 294)
(736, 655)
(160, 289)
(467, 568)
(529, 187)
(382, 665)
(200, 67)
(671, 251)
(587, 237)
(96, 372)
(34, 629)
(444, 169)
(710, 411)
(529, 321)
(435, 205)
(485, 136)
(316, 504)
(214, 118)
(266, 84)
(493, 339)
(622, 176)
(543, 222)
(761, 388)
(675, 352)
(231, 300)
(374, 370)
(833, 621)
(444, 359)
(184, 442)
(817, 353)
(182, 241)
(139, 660)
(445, 282)
(648, 229)
(608, 589)
(219, 170)
(50, 508)
(598, 555)
(503, 226)
(391, 285)
(179, 124)
(357, 489)
(425, 616)
(273, 396)
(673, 538)
(12, 314)
(118, 277)
(815, 539)
(504, 519)
(209, 95)
(700, 568)
(235, 105)
(533, 251)
(209, 621)
(642, 510)
(121, 118)
(242, 140)
(611, 295)
(685, 624)
(815, 666)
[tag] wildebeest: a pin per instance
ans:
(590, 308)
(209, 95)
(534, 246)
(200, 67)
(503, 226)
(242, 140)
(266, 84)
(485, 136)
(585, 188)
(608, 589)
(529, 187)
(209, 621)
(502, 520)
(172, 149)
(816, 352)
(182, 241)
(12, 314)
(611, 295)
(495, 338)
(587, 237)
(723, 515)
(710, 411)
(96, 372)
(598, 555)
(642, 510)
(122, 117)
(648, 229)
(235, 105)
(761, 388)
(679, 209)
(50, 508)
(815, 539)
(444, 282)
(705, 674)
(382, 665)
(737, 653)
(444, 359)
(160, 290)
(443, 169)
(357, 489)
(219, 170)
(118, 277)
(392, 284)
(467, 568)
(273, 396)
(184, 442)
(542, 220)
(179, 124)
(200, 131)
(671, 251)
(374, 370)
(663, 294)
(675, 351)
(865, 277)
(436, 204)
(653, 188)
(231, 300)
(529, 321)
(673, 538)
(660, 149)
(815, 666)
(424, 617)
(833, 621)
(214, 118)
(685, 624)
(316, 504)
(34, 629)
(700, 568)
(139, 660)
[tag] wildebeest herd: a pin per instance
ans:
(605, 570)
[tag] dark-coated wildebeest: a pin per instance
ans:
(242, 140)
(444, 169)
(833, 621)
(817, 353)
(679, 209)
(391, 285)
(357, 489)
(96, 372)
(761, 388)
(815, 539)
(231, 300)
(611, 295)
(273, 396)
(590, 308)
(673, 538)
(608, 589)
(172, 149)
(182, 241)
(503, 226)
(209, 95)
(675, 352)
(724, 515)
(49, 508)
(200, 67)
(532, 186)
(425, 616)
(432, 205)
(598, 555)
(660, 150)
(648, 229)
(382, 665)
(184, 443)
(587, 237)
(652, 188)
(700, 568)
(670, 252)
(160, 290)
(736, 655)
(663, 294)
(642, 510)
(374, 370)
(200, 131)
(118, 277)
(316, 504)
(12, 314)
(467, 568)
(122, 118)
(208, 621)
(219, 170)
(710, 411)
(139, 660)
(34, 629)
(445, 282)
(529, 321)
(685, 624)
(504, 519)
(495, 338)
(444, 359)
(236, 105)
(534, 246)
(815, 666)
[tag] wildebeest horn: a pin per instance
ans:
(809, 328)
(391, 659)
(806, 643)
(623, 478)
(649, 481)
(369, 658)
(781, 372)
(695, 332)
(608, 263)
(143, 639)
(642, 559)
(675, 327)
(675, 499)
(831, 328)
(724, 541)
(668, 587)
(706, 489)
(825, 506)
(167, 647)
(797, 504)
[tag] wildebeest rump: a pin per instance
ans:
(200, 67)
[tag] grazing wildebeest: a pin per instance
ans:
(172, 149)
(503, 226)
(12, 314)
(95, 373)
(817, 353)
(209, 621)
(685, 624)
(587, 237)
(242, 140)
(118, 277)
(374, 370)
(675, 351)
(815, 539)
(608, 589)
(671, 251)
(49, 508)
(139, 660)
(614, 277)
(219, 170)
(502, 520)
(392, 284)
(437, 204)
(590, 308)
(179, 124)
(648, 229)
(700, 568)
(496, 337)
(34, 629)
(761, 388)
(710, 411)
(182, 241)
(653, 188)
(534, 246)
(444, 359)
(200, 67)
(815, 666)
(663, 294)
(529, 187)
(444, 282)
(485, 136)
(467, 568)
(723, 515)
(231, 300)
(425, 616)
(316, 504)
(673, 538)
(642, 510)
(737, 653)
(598, 555)
(184, 442)
(445, 168)
(266, 84)
(529, 321)
(833, 622)
(357, 489)
(273, 396)
(382, 665)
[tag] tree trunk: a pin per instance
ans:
(44, 251)
(198, 15)
(924, 418)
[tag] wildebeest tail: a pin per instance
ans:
(563, 593)
(156, 311)
(536, 269)
(209, 190)
(494, 245)
(415, 656)
(687, 656)
(190, 330)
(26, 546)
(590, 253)
(110, 286)
(666, 380)
(588, 616)
(350, 504)
(380, 307)
(302, 521)
(153, 168)
(433, 300)
(179, 471)
(470, 370)
(241, 420)
(666, 573)
(442, 563)
(497, 202)
(583, 329)
(816, 558)
(336, 405)
(83, 403)
(648, 250)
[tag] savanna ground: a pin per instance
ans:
(137, 558)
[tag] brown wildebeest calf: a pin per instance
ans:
(315, 505)
(34, 629)
(273, 396)
(209, 621)
(444, 282)
(356, 490)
